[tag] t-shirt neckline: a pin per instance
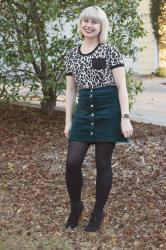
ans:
(83, 54)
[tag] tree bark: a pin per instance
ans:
(48, 103)
(48, 106)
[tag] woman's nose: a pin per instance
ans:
(89, 23)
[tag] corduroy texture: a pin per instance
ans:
(97, 116)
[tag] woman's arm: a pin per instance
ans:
(119, 75)
(120, 81)
(71, 91)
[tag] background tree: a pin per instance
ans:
(162, 24)
(33, 43)
(155, 12)
(158, 17)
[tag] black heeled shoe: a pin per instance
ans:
(95, 221)
(75, 215)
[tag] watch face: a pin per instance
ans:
(126, 115)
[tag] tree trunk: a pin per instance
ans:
(48, 105)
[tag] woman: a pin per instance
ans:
(101, 117)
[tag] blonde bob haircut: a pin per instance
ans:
(96, 13)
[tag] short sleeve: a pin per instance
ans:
(116, 59)
(68, 63)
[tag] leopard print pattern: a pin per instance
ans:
(94, 69)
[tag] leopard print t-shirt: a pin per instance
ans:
(94, 69)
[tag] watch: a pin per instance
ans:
(125, 116)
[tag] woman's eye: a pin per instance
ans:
(93, 21)
(85, 20)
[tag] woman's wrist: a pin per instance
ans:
(68, 121)
(125, 116)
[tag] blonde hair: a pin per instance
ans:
(95, 12)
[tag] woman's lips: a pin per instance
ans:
(89, 30)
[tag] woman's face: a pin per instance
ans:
(90, 27)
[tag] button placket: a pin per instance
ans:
(92, 114)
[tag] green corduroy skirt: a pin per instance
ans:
(97, 116)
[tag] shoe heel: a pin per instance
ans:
(102, 223)
(81, 216)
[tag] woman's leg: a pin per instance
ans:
(75, 157)
(103, 153)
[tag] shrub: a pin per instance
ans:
(161, 71)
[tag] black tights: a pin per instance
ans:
(74, 180)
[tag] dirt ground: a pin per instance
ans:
(34, 203)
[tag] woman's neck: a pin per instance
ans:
(90, 42)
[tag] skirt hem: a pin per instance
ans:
(97, 140)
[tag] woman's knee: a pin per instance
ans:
(103, 164)
(105, 172)
(72, 165)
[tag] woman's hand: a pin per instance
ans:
(67, 129)
(126, 127)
